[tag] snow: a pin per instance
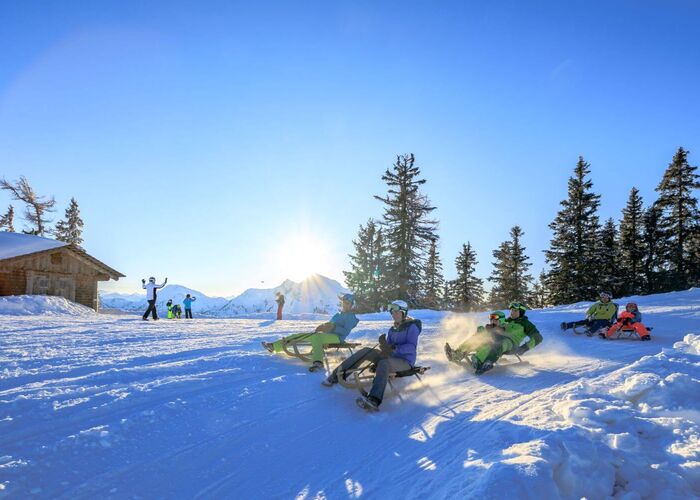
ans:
(29, 305)
(17, 244)
(110, 406)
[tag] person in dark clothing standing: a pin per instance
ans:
(280, 304)
(151, 296)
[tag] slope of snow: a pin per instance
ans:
(30, 305)
(16, 244)
(116, 407)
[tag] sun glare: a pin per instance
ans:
(299, 256)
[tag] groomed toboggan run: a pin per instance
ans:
(101, 406)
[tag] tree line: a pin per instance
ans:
(653, 248)
(37, 210)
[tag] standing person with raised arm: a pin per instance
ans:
(151, 296)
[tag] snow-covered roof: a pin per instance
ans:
(17, 244)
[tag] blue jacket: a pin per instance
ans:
(188, 302)
(404, 338)
(344, 323)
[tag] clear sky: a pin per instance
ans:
(225, 144)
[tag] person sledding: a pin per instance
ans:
(630, 320)
(601, 315)
(484, 336)
(151, 296)
(334, 331)
(396, 352)
(514, 335)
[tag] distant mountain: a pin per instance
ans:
(136, 302)
(316, 294)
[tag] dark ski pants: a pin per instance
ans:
(592, 324)
(279, 311)
(151, 309)
(188, 313)
(385, 367)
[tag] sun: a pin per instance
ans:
(299, 256)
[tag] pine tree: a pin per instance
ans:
(571, 255)
(608, 269)
(434, 282)
(408, 229)
(679, 216)
(467, 290)
(632, 244)
(653, 260)
(37, 206)
(448, 294)
(538, 296)
(70, 229)
(364, 277)
(8, 220)
(510, 277)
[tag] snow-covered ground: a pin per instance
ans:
(98, 406)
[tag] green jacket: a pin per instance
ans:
(518, 329)
(603, 311)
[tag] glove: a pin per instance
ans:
(385, 348)
(327, 327)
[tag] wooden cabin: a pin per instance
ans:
(32, 265)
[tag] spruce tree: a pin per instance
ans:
(448, 294)
(679, 218)
(434, 285)
(8, 220)
(408, 229)
(608, 269)
(571, 256)
(632, 244)
(37, 207)
(510, 277)
(364, 277)
(653, 260)
(538, 296)
(467, 290)
(70, 229)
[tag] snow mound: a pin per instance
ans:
(33, 305)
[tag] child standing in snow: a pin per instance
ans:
(187, 302)
(169, 305)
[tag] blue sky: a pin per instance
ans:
(226, 144)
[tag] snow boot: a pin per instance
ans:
(268, 346)
(317, 365)
(449, 352)
(646, 337)
(564, 326)
(330, 381)
(368, 403)
(485, 366)
(602, 335)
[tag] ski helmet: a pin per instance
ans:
(632, 304)
(347, 297)
(499, 315)
(151, 279)
(398, 305)
(603, 294)
(518, 306)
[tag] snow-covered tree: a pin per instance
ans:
(37, 207)
(632, 244)
(7, 221)
(408, 229)
(678, 208)
(70, 229)
(571, 255)
(511, 281)
(467, 291)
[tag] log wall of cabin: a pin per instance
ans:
(17, 275)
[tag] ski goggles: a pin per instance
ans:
(517, 305)
(394, 307)
(494, 316)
